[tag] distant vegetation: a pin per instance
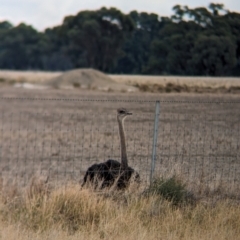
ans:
(199, 41)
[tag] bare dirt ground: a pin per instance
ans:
(59, 133)
(88, 79)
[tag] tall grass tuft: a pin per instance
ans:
(68, 208)
(70, 212)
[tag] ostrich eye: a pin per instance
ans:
(121, 111)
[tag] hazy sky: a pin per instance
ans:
(48, 13)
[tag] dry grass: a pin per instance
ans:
(61, 139)
(178, 88)
(212, 82)
(167, 84)
(153, 84)
(39, 212)
(74, 213)
(27, 76)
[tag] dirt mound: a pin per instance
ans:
(88, 79)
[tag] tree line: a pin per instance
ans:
(199, 41)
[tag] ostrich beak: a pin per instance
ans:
(129, 113)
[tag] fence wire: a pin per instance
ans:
(197, 141)
(61, 142)
(200, 143)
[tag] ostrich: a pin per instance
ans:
(113, 172)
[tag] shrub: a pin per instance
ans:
(172, 189)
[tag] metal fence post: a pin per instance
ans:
(155, 138)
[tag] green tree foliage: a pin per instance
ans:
(96, 37)
(5, 25)
(206, 44)
(198, 41)
(213, 55)
(18, 47)
(170, 52)
(136, 49)
(215, 8)
(54, 55)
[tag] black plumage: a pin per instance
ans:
(112, 172)
(106, 174)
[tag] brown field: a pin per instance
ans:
(198, 136)
(57, 134)
(65, 131)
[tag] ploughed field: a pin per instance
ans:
(58, 134)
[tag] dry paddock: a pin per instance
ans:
(59, 133)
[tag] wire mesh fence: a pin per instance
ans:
(198, 141)
(61, 142)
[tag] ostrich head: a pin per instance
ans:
(122, 113)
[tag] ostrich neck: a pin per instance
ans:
(124, 161)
